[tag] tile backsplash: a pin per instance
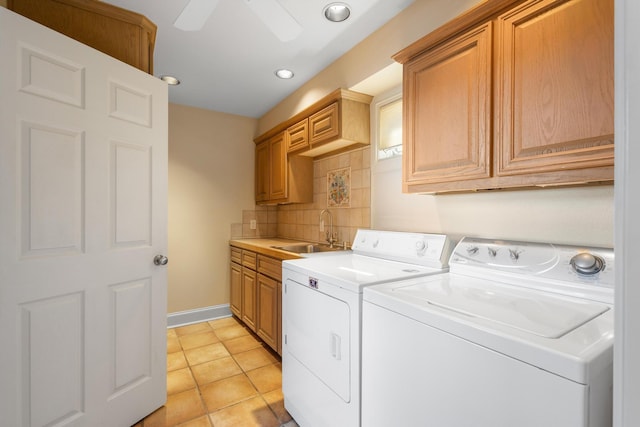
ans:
(302, 221)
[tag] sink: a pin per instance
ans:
(308, 248)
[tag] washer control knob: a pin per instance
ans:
(472, 250)
(421, 247)
(586, 263)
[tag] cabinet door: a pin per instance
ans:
(555, 93)
(324, 125)
(297, 136)
(447, 111)
(267, 322)
(262, 171)
(236, 289)
(249, 296)
(279, 296)
(278, 156)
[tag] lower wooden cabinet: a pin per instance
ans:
(236, 289)
(249, 298)
(267, 327)
(256, 293)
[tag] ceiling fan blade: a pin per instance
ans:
(276, 18)
(195, 14)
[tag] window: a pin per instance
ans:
(389, 127)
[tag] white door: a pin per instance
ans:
(83, 171)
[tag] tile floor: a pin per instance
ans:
(219, 374)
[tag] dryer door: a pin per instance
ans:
(317, 328)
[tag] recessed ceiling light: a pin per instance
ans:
(170, 80)
(336, 12)
(283, 73)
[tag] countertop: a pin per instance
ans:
(264, 247)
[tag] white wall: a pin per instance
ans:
(211, 170)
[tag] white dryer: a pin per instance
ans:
(321, 319)
(516, 334)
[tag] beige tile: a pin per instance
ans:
(215, 370)
(243, 343)
(231, 332)
(176, 361)
(256, 358)
(182, 407)
(275, 399)
(206, 353)
(179, 380)
(223, 323)
(158, 418)
(171, 333)
(227, 392)
(250, 413)
(198, 422)
(267, 378)
(173, 345)
(198, 340)
(193, 329)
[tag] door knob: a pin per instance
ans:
(160, 260)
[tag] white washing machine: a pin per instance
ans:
(516, 334)
(321, 319)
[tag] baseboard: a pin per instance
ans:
(188, 317)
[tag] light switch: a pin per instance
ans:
(252, 224)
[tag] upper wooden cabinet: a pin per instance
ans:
(284, 154)
(337, 122)
(282, 178)
(511, 94)
(120, 33)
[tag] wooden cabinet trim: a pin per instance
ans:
(297, 136)
(485, 11)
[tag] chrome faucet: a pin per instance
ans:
(331, 238)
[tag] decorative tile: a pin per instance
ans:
(339, 188)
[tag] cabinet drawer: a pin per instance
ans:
(323, 125)
(249, 259)
(236, 255)
(297, 136)
(270, 267)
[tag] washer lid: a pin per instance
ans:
(538, 313)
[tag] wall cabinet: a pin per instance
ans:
(256, 290)
(284, 154)
(122, 34)
(280, 177)
(297, 136)
(511, 94)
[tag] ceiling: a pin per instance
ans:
(228, 65)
